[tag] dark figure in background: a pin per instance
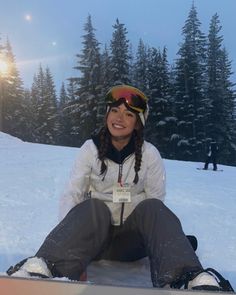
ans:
(212, 156)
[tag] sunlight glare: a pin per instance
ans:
(28, 17)
(3, 67)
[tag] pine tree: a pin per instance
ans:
(37, 96)
(28, 117)
(50, 107)
(12, 96)
(44, 104)
(71, 89)
(190, 103)
(65, 118)
(141, 67)
(120, 55)
(229, 143)
(168, 126)
(106, 84)
(221, 121)
(131, 65)
(154, 77)
(89, 87)
(161, 121)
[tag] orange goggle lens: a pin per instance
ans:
(134, 98)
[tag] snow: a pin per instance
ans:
(32, 177)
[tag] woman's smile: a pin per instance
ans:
(121, 123)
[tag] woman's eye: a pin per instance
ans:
(130, 114)
(114, 110)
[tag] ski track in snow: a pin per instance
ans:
(32, 177)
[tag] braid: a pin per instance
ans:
(138, 138)
(104, 137)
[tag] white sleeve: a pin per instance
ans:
(78, 184)
(155, 184)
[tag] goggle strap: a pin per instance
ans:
(141, 116)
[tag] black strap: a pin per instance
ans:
(184, 280)
(224, 284)
(13, 269)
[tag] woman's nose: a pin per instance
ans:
(120, 115)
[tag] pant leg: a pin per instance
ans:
(214, 163)
(77, 239)
(207, 163)
(170, 252)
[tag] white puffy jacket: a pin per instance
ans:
(86, 178)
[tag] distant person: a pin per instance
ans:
(212, 156)
(114, 207)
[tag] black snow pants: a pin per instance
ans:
(152, 230)
(211, 159)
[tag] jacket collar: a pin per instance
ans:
(115, 155)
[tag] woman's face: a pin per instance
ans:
(121, 122)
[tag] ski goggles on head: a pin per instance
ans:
(131, 96)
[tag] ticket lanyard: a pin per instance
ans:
(121, 191)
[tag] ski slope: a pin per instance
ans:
(32, 177)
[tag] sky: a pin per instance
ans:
(33, 176)
(48, 32)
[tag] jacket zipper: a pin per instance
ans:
(123, 204)
(120, 182)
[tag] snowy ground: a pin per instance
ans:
(32, 177)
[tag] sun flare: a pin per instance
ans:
(28, 17)
(3, 67)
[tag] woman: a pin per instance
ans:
(113, 207)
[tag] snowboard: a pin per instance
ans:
(210, 169)
(26, 286)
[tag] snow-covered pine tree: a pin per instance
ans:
(65, 118)
(119, 55)
(88, 91)
(141, 67)
(52, 129)
(45, 107)
(71, 89)
(72, 110)
(28, 117)
(37, 97)
(229, 147)
(106, 73)
(131, 65)
(154, 94)
(190, 104)
(168, 127)
(221, 95)
(161, 122)
(12, 90)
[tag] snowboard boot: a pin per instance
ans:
(204, 281)
(30, 267)
(209, 280)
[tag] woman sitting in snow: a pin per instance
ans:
(113, 207)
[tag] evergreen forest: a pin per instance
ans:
(192, 100)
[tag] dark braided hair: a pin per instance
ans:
(138, 138)
(105, 140)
